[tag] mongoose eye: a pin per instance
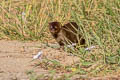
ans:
(51, 27)
(55, 27)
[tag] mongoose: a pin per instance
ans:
(66, 34)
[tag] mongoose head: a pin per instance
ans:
(55, 27)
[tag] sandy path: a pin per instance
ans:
(16, 56)
(15, 59)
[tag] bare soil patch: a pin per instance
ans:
(16, 57)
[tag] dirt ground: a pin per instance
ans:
(16, 57)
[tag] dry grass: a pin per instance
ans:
(99, 21)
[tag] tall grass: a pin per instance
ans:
(99, 21)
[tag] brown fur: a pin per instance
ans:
(66, 34)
